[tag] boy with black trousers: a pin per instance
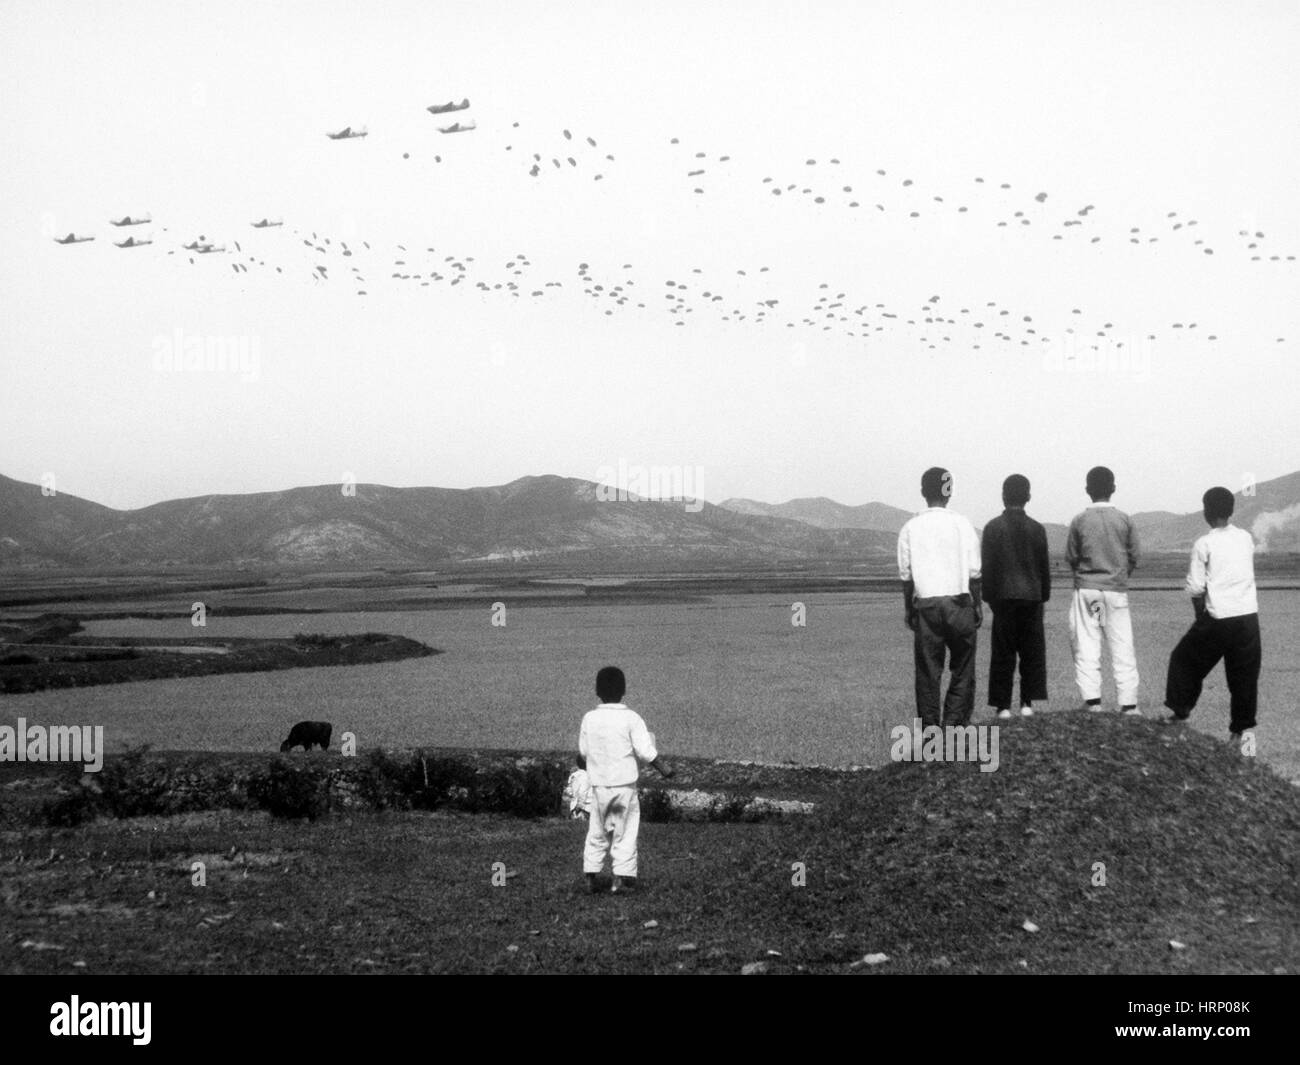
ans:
(939, 564)
(1221, 582)
(1017, 582)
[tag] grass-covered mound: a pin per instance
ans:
(937, 866)
(1114, 837)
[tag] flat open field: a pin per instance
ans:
(723, 675)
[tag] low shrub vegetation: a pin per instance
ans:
(138, 783)
(291, 790)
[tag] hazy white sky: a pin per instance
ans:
(210, 116)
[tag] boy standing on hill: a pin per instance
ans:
(939, 564)
(1221, 582)
(1017, 582)
(612, 740)
(1102, 550)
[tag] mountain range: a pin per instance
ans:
(544, 518)
(1270, 510)
(532, 519)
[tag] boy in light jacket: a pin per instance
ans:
(1102, 550)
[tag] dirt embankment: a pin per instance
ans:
(46, 652)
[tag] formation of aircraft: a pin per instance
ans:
(442, 109)
(72, 238)
(348, 133)
(750, 294)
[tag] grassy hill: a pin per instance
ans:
(1199, 846)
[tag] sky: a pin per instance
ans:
(1135, 119)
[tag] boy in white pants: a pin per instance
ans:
(613, 739)
(1102, 550)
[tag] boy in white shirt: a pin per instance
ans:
(1221, 582)
(939, 564)
(613, 739)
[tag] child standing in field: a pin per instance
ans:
(613, 739)
(1102, 550)
(1221, 582)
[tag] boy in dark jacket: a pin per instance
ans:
(1017, 582)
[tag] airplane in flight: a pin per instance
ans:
(196, 245)
(347, 133)
(72, 238)
(131, 242)
(208, 249)
(266, 223)
(127, 220)
(442, 109)
(458, 128)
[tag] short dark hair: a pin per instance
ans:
(1015, 490)
(1218, 503)
(936, 483)
(610, 684)
(1100, 483)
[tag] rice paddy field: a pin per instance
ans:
(716, 675)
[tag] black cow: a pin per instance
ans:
(306, 733)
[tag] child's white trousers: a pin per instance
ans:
(612, 829)
(1096, 613)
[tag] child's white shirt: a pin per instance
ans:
(1223, 570)
(612, 740)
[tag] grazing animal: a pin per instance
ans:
(306, 733)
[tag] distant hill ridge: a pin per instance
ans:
(1270, 510)
(535, 518)
(532, 518)
(826, 513)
